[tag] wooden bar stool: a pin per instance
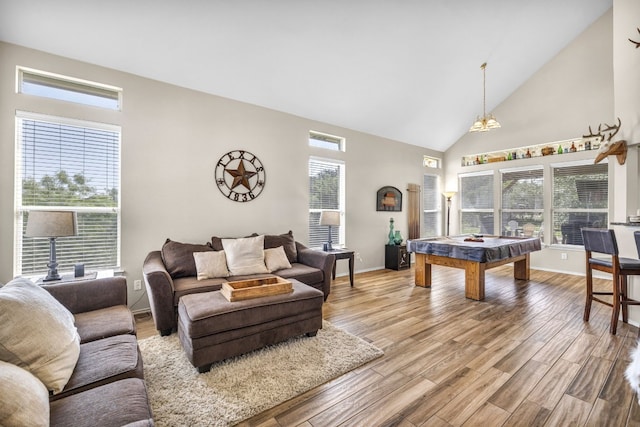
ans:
(603, 241)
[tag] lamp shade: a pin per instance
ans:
(330, 218)
(51, 224)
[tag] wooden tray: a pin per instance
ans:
(255, 288)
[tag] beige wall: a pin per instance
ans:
(171, 140)
(559, 102)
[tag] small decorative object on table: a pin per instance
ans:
(397, 238)
(392, 237)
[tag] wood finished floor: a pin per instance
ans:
(521, 357)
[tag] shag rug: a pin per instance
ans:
(241, 387)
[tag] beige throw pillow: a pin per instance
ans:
(210, 265)
(24, 400)
(245, 255)
(37, 333)
(276, 259)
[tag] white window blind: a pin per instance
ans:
(476, 204)
(326, 184)
(68, 165)
(580, 199)
(522, 203)
(431, 213)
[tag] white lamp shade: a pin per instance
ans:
(51, 224)
(330, 218)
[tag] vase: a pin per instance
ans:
(397, 238)
(392, 240)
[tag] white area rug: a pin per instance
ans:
(241, 387)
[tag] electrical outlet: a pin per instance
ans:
(137, 285)
(563, 255)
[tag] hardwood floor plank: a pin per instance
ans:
(569, 412)
(528, 414)
(516, 389)
(523, 356)
(553, 385)
(589, 381)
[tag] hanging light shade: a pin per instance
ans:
(487, 121)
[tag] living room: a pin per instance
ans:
(172, 138)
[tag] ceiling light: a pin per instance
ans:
(487, 121)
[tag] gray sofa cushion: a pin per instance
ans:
(104, 361)
(178, 258)
(106, 322)
(301, 272)
(119, 403)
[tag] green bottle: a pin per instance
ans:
(559, 149)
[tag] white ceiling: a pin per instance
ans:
(407, 70)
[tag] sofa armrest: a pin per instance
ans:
(89, 295)
(318, 259)
(160, 291)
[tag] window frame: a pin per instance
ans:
(341, 201)
(437, 195)
(20, 208)
(462, 210)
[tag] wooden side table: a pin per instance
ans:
(344, 253)
(396, 257)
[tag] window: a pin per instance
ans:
(64, 164)
(49, 85)
(431, 213)
(326, 192)
(476, 203)
(580, 199)
(326, 141)
(522, 202)
(431, 162)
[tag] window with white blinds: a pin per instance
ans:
(522, 203)
(580, 199)
(476, 203)
(432, 208)
(326, 192)
(64, 164)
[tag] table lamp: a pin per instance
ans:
(329, 218)
(51, 224)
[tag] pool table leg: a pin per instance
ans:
(423, 271)
(474, 280)
(521, 268)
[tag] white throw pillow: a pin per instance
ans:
(37, 333)
(24, 400)
(276, 259)
(211, 264)
(245, 255)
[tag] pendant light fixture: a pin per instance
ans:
(487, 121)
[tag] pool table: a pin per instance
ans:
(473, 256)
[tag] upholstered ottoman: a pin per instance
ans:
(211, 328)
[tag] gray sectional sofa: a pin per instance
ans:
(105, 386)
(172, 273)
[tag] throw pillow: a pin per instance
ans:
(178, 258)
(245, 255)
(24, 400)
(37, 333)
(276, 259)
(286, 241)
(211, 264)
(216, 242)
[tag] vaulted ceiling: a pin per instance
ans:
(408, 70)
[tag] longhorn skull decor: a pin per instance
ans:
(605, 134)
(635, 42)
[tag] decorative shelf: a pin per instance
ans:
(569, 146)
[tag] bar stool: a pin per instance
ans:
(603, 241)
